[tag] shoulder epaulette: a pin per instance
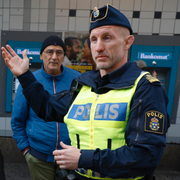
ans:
(151, 78)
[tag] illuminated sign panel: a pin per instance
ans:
(155, 56)
(30, 51)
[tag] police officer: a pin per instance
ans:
(116, 116)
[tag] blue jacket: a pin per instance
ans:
(31, 132)
(144, 146)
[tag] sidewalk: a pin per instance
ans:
(20, 171)
(16, 171)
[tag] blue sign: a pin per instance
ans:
(30, 51)
(80, 112)
(104, 111)
(111, 111)
(155, 56)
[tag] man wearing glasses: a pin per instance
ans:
(34, 137)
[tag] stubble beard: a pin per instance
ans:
(103, 66)
(107, 65)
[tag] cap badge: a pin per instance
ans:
(96, 13)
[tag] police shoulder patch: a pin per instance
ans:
(151, 78)
(154, 122)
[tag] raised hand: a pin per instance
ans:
(17, 65)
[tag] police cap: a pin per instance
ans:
(108, 15)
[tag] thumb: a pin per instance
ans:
(64, 146)
(25, 54)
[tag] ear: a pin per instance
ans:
(128, 41)
(68, 48)
(41, 57)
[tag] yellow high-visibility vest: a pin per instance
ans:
(99, 121)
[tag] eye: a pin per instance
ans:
(59, 52)
(50, 51)
(93, 40)
(107, 37)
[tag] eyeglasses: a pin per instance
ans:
(50, 52)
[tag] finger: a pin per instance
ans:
(60, 162)
(58, 158)
(11, 50)
(5, 53)
(3, 48)
(62, 166)
(8, 63)
(25, 54)
(57, 152)
(64, 146)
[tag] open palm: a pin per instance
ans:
(16, 64)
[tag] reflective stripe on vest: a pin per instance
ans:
(96, 175)
(99, 121)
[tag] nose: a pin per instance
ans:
(54, 56)
(99, 47)
(82, 50)
(79, 50)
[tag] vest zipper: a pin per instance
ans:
(89, 172)
(137, 124)
(91, 122)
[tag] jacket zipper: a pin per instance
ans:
(58, 124)
(137, 124)
(140, 101)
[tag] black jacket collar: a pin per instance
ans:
(123, 77)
